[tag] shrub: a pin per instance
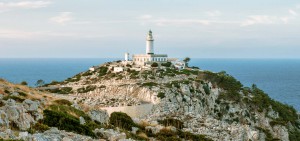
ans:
(172, 122)
(16, 98)
(193, 137)
(86, 89)
(121, 120)
(167, 64)
(63, 102)
(24, 83)
(150, 84)
(103, 71)
(65, 121)
(154, 65)
(206, 89)
(161, 95)
(38, 127)
(22, 94)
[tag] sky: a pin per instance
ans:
(109, 28)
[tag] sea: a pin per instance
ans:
(279, 78)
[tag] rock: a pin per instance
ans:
(134, 130)
(110, 134)
(31, 105)
(154, 129)
(99, 115)
(81, 119)
(4, 122)
(15, 94)
(24, 135)
(12, 112)
(11, 102)
(76, 106)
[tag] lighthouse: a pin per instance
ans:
(149, 43)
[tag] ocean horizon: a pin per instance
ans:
(279, 78)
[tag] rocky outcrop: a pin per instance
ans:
(99, 116)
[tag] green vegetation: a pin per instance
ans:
(186, 60)
(65, 117)
(172, 122)
(63, 102)
(154, 65)
(86, 89)
(161, 95)
(65, 121)
(62, 90)
(206, 89)
(38, 127)
(24, 83)
(103, 71)
(39, 83)
(121, 120)
(149, 84)
(168, 135)
(167, 64)
(269, 136)
(16, 98)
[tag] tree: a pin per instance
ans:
(24, 83)
(154, 65)
(40, 83)
(186, 60)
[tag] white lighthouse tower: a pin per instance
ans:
(149, 43)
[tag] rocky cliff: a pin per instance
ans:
(189, 104)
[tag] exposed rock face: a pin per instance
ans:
(58, 135)
(99, 116)
(181, 96)
(110, 134)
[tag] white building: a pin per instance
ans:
(150, 56)
(118, 69)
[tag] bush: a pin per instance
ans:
(63, 102)
(154, 65)
(193, 137)
(161, 95)
(65, 121)
(172, 122)
(18, 99)
(63, 90)
(86, 89)
(121, 120)
(24, 83)
(150, 84)
(167, 64)
(206, 89)
(38, 127)
(103, 71)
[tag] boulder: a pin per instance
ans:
(99, 116)
(30, 105)
(81, 119)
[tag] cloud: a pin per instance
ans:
(23, 5)
(214, 13)
(267, 19)
(292, 12)
(146, 19)
(258, 19)
(63, 18)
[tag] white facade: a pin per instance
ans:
(118, 69)
(149, 57)
(150, 43)
(126, 56)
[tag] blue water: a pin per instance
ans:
(279, 78)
